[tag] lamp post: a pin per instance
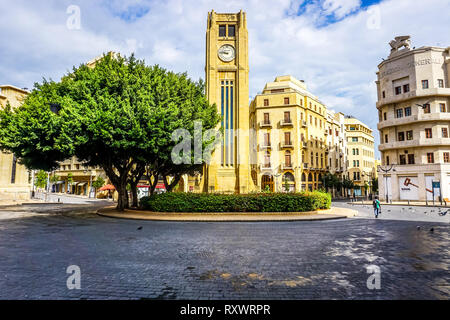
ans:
(386, 171)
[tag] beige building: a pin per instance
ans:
(76, 178)
(360, 155)
(289, 144)
(414, 118)
(336, 143)
(15, 180)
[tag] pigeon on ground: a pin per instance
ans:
(140, 228)
(418, 227)
(432, 230)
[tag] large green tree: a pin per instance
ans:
(118, 115)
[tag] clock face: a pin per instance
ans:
(227, 53)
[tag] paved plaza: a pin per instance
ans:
(200, 260)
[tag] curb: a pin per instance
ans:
(221, 217)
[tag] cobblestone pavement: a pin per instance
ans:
(393, 212)
(178, 260)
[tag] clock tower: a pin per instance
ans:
(227, 86)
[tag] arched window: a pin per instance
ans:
(317, 159)
(303, 177)
(310, 178)
(288, 182)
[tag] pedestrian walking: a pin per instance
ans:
(376, 207)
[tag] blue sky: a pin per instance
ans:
(334, 45)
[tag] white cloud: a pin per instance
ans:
(338, 61)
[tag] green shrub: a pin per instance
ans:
(257, 202)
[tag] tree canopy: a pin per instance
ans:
(118, 115)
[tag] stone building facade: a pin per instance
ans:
(414, 122)
(360, 155)
(15, 179)
(290, 142)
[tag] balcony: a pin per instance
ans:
(420, 93)
(287, 166)
(286, 145)
(304, 145)
(265, 124)
(304, 125)
(422, 117)
(327, 150)
(265, 147)
(286, 123)
(422, 142)
(326, 132)
(265, 167)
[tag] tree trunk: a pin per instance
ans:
(169, 187)
(152, 185)
(122, 200)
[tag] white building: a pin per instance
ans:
(414, 118)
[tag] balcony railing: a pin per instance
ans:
(439, 116)
(287, 166)
(286, 145)
(265, 124)
(265, 146)
(265, 167)
(286, 123)
(415, 143)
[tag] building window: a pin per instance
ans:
(440, 83)
(411, 159)
(286, 100)
(399, 113)
(425, 84)
(426, 108)
(387, 161)
(13, 170)
(407, 111)
(231, 31)
(287, 117)
(222, 31)
(267, 159)
(287, 138)
(428, 133)
(430, 157)
(402, 159)
(386, 138)
(447, 157)
(409, 135)
(266, 102)
(354, 139)
(385, 116)
(401, 136)
(444, 133)
(384, 94)
(267, 139)
(406, 88)
(398, 90)
(442, 107)
(287, 159)
(266, 118)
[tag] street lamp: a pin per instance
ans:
(385, 171)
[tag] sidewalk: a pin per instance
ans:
(331, 214)
(405, 203)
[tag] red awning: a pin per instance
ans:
(107, 187)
